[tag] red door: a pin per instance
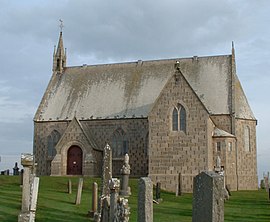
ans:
(74, 161)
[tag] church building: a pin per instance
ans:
(174, 117)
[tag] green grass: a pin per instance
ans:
(55, 204)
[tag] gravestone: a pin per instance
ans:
(262, 184)
(145, 200)
(158, 192)
(27, 162)
(123, 210)
(114, 187)
(266, 181)
(208, 198)
(69, 186)
(79, 192)
(125, 172)
(34, 194)
(29, 191)
(21, 174)
(104, 202)
(107, 170)
(92, 212)
(105, 213)
(178, 191)
(16, 169)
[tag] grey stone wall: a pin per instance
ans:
(173, 152)
(40, 144)
(102, 130)
(247, 160)
(136, 131)
(222, 122)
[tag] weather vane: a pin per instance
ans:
(61, 25)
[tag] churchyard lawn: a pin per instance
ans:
(55, 204)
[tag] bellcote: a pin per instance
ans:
(59, 56)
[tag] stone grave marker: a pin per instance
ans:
(21, 176)
(114, 187)
(103, 207)
(125, 172)
(107, 170)
(79, 192)
(93, 211)
(34, 194)
(69, 186)
(29, 190)
(16, 169)
(145, 200)
(158, 192)
(208, 197)
(266, 181)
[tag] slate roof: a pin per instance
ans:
(221, 133)
(129, 90)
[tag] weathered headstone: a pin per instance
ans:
(178, 191)
(125, 172)
(69, 186)
(92, 212)
(262, 184)
(105, 213)
(104, 203)
(208, 198)
(107, 170)
(21, 174)
(34, 195)
(114, 187)
(123, 210)
(145, 200)
(158, 192)
(16, 169)
(27, 162)
(79, 192)
(29, 191)
(266, 181)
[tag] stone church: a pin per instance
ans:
(174, 117)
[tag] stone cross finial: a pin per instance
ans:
(61, 24)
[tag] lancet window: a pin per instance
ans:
(179, 118)
(119, 143)
(53, 139)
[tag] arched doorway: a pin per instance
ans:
(74, 161)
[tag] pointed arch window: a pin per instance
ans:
(175, 120)
(119, 143)
(179, 118)
(53, 139)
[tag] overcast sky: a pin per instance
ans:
(109, 31)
